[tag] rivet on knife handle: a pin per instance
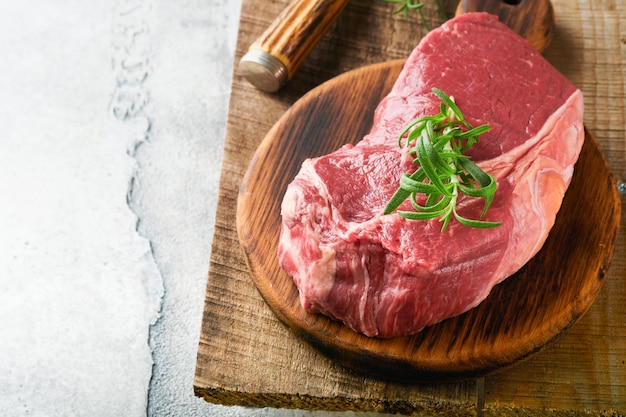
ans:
(276, 55)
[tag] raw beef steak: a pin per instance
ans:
(385, 276)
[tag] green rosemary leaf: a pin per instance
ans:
(476, 131)
(407, 5)
(424, 153)
(421, 215)
(397, 198)
(481, 224)
(436, 203)
(448, 101)
(438, 143)
(416, 186)
(478, 174)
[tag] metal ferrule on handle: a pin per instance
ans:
(276, 55)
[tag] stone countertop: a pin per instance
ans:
(113, 117)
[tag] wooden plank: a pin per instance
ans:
(586, 368)
(246, 357)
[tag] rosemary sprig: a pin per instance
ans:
(438, 144)
(407, 5)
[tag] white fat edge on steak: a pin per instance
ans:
(324, 268)
(564, 128)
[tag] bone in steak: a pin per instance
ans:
(385, 276)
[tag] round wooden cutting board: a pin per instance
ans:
(521, 315)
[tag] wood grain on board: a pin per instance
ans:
(247, 357)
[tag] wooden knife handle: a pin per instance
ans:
(532, 19)
(277, 54)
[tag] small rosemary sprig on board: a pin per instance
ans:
(438, 143)
(407, 5)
